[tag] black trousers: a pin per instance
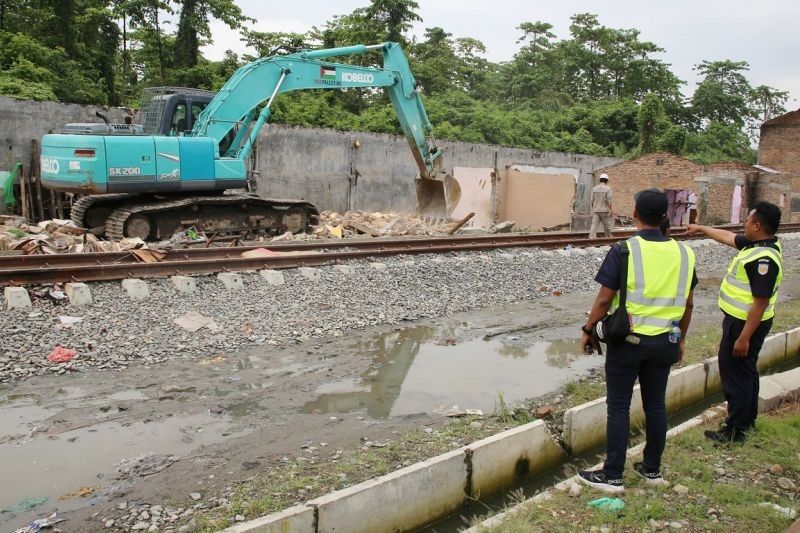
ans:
(739, 375)
(650, 362)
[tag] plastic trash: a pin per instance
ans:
(613, 505)
(61, 354)
(40, 523)
(27, 504)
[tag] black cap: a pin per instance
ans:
(651, 202)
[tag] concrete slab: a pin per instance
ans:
(17, 298)
(380, 267)
(713, 381)
(773, 353)
(789, 380)
(585, 426)
(311, 274)
(401, 501)
(343, 269)
(231, 280)
(78, 293)
(273, 277)
(297, 519)
(685, 387)
(792, 344)
(770, 394)
(501, 460)
(136, 288)
(184, 284)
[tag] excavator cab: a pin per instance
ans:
(172, 111)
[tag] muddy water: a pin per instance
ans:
(426, 369)
(52, 446)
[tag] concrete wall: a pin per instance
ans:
(368, 171)
(24, 120)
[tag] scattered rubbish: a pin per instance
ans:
(57, 295)
(259, 252)
(28, 504)
(40, 523)
(502, 227)
(474, 412)
(189, 235)
(193, 321)
(787, 512)
(513, 338)
(231, 379)
(212, 361)
(66, 322)
(544, 411)
(61, 354)
(613, 505)
(82, 492)
(148, 256)
(448, 341)
(145, 466)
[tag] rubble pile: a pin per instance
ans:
(361, 224)
(18, 237)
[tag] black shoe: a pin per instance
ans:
(726, 435)
(651, 478)
(598, 480)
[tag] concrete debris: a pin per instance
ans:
(502, 227)
(193, 321)
(362, 224)
(56, 236)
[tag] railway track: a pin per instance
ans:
(41, 269)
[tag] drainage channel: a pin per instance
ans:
(530, 487)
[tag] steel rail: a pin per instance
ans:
(40, 269)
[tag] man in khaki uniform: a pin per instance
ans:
(601, 208)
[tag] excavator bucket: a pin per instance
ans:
(437, 196)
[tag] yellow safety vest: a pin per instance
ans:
(659, 282)
(735, 294)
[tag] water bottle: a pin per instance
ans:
(675, 332)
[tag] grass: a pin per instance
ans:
(725, 487)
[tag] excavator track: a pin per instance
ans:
(92, 211)
(243, 215)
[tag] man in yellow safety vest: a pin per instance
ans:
(659, 287)
(747, 298)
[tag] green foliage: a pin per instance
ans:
(597, 90)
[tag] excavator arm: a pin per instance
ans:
(234, 111)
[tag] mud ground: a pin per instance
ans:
(157, 434)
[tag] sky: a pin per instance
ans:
(762, 33)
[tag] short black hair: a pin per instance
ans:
(652, 219)
(769, 215)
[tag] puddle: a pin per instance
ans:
(417, 370)
(54, 466)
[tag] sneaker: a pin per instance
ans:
(651, 478)
(726, 435)
(598, 480)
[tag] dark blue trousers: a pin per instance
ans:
(739, 375)
(650, 362)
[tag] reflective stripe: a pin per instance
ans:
(741, 305)
(637, 295)
(733, 280)
(651, 321)
(638, 265)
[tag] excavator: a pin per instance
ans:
(186, 163)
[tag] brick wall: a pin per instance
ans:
(659, 170)
(779, 147)
(715, 203)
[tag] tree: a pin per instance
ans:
(649, 112)
(767, 102)
(723, 94)
(194, 26)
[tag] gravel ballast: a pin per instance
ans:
(116, 331)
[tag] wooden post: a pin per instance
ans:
(23, 193)
(36, 177)
(52, 208)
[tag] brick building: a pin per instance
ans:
(779, 151)
(710, 194)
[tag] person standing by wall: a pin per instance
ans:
(659, 287)
(747, 298)
(601, 208)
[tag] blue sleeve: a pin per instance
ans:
(610, 270)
